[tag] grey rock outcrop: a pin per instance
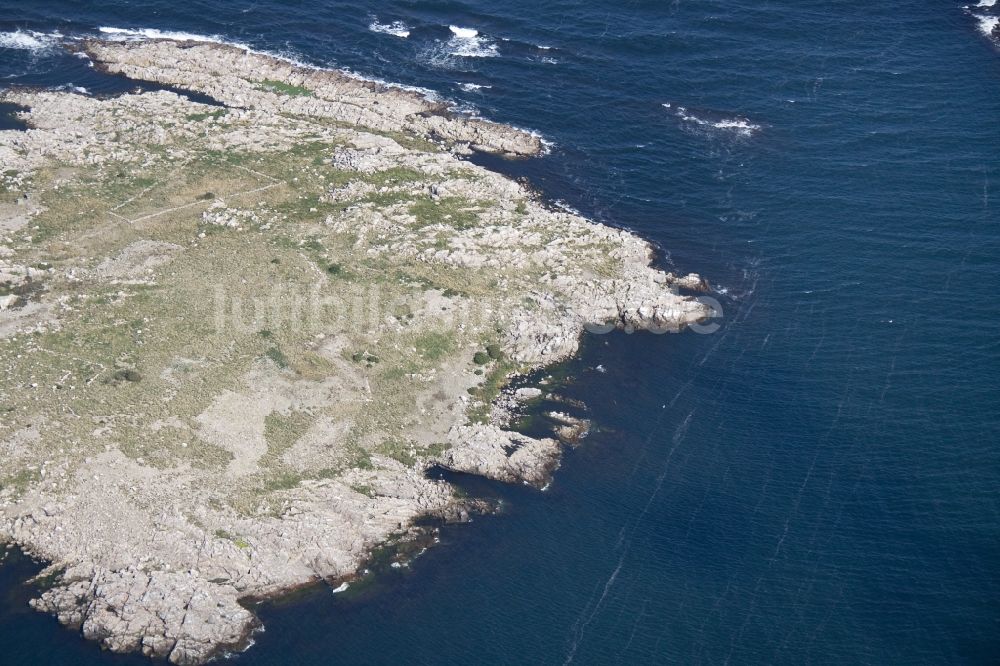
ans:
(239, 78)
(486, 450)
(180, 617)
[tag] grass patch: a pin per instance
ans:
(239, 542)
(434, 345)
(198, 117)
(398, 450)
(395, 176)
(369, 360)
(310, 365)
(20, 481)
(360, 459)
(365, 490)
(284, 479)
(456, 212)
(411, 141)
(487, 392)
(278, 357)
(282, 431)
(282, 88)
(436, 449)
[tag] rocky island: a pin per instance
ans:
(234, 335)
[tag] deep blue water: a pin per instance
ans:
(819, 481)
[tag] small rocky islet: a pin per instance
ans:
(234, 336)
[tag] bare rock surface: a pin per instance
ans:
(238, 77)
(177, 616)
(487, 450)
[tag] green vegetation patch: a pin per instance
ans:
(397, 449)
(434, 345)
(282, 88)
(456, 212)
(238, 541)
(489, 390)
(214, 115)
(278, 357)
(19, 481)
(363, 489)
(282, 431)
(282, 480)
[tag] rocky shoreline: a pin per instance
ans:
(172, 456)
(196, 66)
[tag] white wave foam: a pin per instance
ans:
(548, 145)
(452, 54)
(138, 34)
(154, 33)
(737, 125)
(463, 109)
(72, 88)
(464, 33)
(986, 3)
(473, 87)
(396, 28)
(740, 125)
(468, 43)
(29, 40)
(565, 207)
(426, 93)
(130, 34)
(987, 24)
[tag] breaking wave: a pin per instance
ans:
(129, 34)
(737, 125)
(396, 28)
(468, 43)
(987, 24)
(80, 90)
(29, 40)
(464, 43)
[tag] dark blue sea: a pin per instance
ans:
(816, 482)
